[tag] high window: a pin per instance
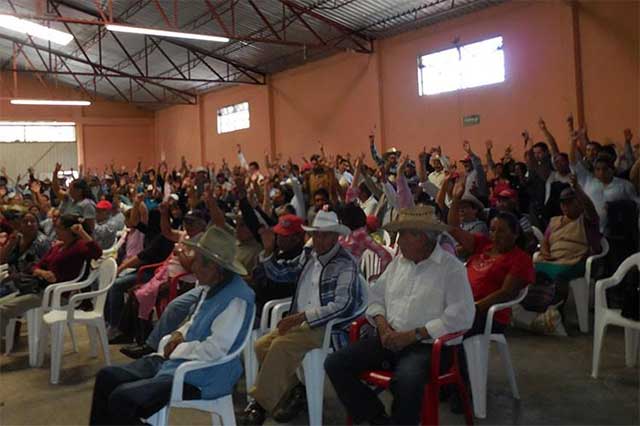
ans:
(37, 131)
(233, 117)
(463, 67)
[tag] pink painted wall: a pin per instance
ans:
(337, 100)
(334, 101)
(177, 133)
(539, 80)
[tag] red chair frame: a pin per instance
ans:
(161, 304)
(431, 397)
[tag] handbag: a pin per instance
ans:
(28, 284)
(540, 295)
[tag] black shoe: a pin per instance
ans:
(137, 351)
(380, 419)
(254, 414)
(289, 409)
(120, 339)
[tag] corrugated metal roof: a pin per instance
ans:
(367, 19)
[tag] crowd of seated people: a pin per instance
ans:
(457, 240)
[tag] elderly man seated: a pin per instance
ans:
(125, 394)
(422, 295)
(328, 287)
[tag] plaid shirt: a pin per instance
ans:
(359, 241)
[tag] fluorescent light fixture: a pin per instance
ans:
(48, 102)
(36, 30)
(164, 33)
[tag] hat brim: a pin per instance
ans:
(234, 266)
(415, 224)
(338, 229)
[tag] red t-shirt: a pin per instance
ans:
(67, 263)
(487, 274)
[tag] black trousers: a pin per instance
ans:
(411, 369)
(122, 395)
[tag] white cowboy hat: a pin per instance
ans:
(219, 246)
(327, 222)
(420, 218)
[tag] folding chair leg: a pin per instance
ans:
(33, 327)
(57, 348)
(224, 410)
(73, 337)
(580, 289)
(93, 340)
(631, 340)
(314, 382)
(10, 335)
(102, 334)
(598, 337)
(476, 352)
(511, 374)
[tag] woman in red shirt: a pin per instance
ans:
(62, 262)
(498, 268)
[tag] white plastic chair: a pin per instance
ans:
(538, 234)
(313, 361)
(250, 359)
(33, 317)
(370, 264)
(606, 316)
(222, 407)
(581, 287)
(59, 315)
(476, 349)
(113, 250)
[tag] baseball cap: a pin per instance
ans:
(508, 193)
(288, 224)
(104, 205)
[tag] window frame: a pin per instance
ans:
(27, 125)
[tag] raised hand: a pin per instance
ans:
(466, 146)
(57, 168)
(239, 148)
(628, 135)
(542, 124)
(489, 144)
(268, 238)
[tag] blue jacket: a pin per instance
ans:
(219, 380)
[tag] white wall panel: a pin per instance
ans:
(42, 156)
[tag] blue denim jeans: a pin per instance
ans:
(174, 314)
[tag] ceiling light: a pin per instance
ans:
(48, 102)
(164, 33)
(36, 30)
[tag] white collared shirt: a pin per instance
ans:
(224, 332)
(434, 293)
(309, 287)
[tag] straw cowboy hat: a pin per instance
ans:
(422, 218)
(393, 151)
(220, 246)
(473, 200)
(327, 222)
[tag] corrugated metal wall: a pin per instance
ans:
(17, 157)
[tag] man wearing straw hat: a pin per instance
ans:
(328, 287)
(218, 326)
(422, 295)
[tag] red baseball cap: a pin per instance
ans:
(288, 224)
(104, 205)
(508, 193)
(372, 223)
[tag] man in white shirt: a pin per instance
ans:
(603, 187)
(328, 287)
(422, 295)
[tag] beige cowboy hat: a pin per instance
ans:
(220, 246)
(327, 222)
(392, 151)
(422, 218)
(473, 200)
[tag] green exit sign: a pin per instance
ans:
(471, 120)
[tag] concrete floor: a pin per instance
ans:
(553, 376)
